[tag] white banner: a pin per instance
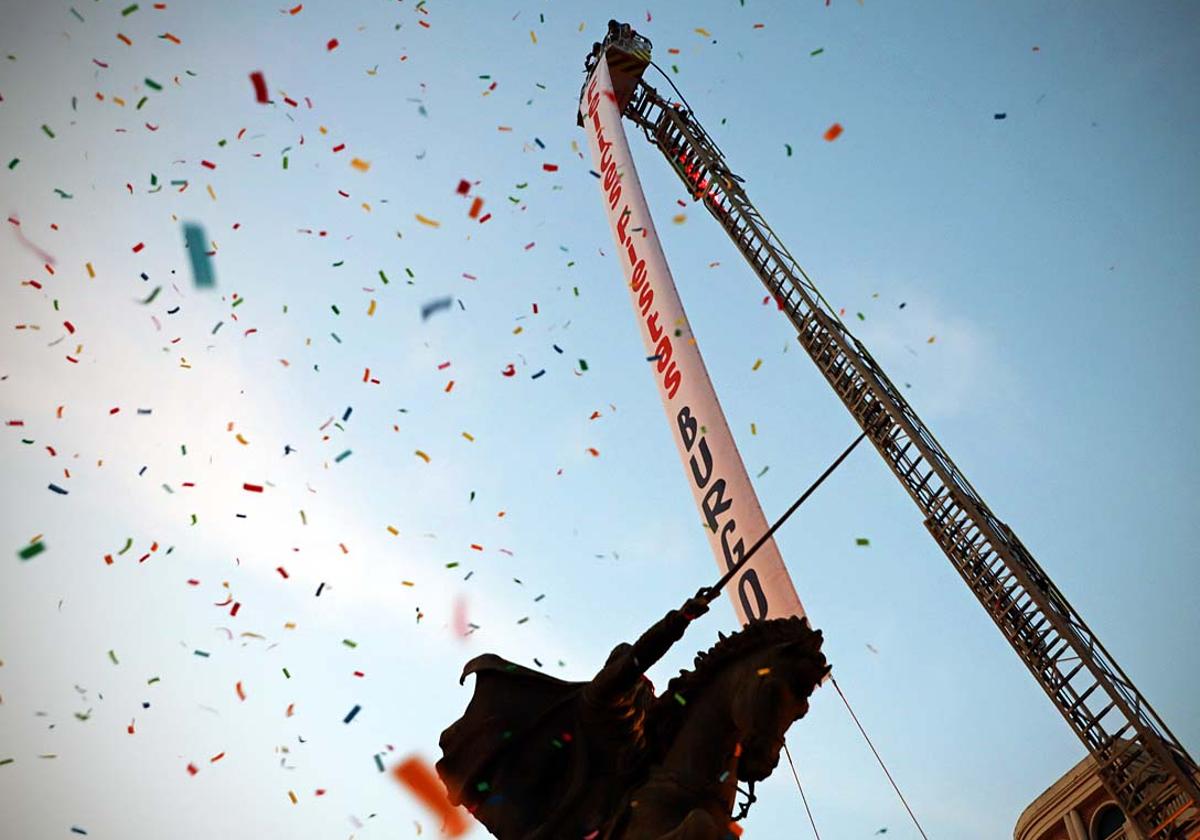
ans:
(722, 490)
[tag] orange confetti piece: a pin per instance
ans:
(416, 775)
(123, 39)
(422, 456)
(295, 10)
(241, 692)
(757, 365)
(679, 219)
(595, 453)
(216, 758)
(91, 271)
(360, 164)
(242, 440)
(476, 206)
(833, 132)
(427, 221)
(532, 36)
(292, 796)
(167, 36)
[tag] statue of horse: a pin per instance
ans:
(529, 765)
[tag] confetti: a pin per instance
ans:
(833, 132)
(351, 714)
(32, 550)
(331, 45)
(421, 782)
(434, 306)
(861, 541)
(260, 87)
(194, 241)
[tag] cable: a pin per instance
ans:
(799, 787)
(877, 758)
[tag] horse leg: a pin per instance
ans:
(697, 825)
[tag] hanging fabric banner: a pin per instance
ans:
(720, 485)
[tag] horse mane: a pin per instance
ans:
(667, 712)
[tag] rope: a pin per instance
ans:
(799, 787)
(877, 758)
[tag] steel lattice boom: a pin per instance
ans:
(1140, 762)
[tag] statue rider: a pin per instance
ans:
(496, 759)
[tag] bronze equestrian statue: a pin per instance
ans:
(538, 758)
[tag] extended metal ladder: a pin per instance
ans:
(1140, 762)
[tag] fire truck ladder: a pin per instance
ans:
(1140, 761)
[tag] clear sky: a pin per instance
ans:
(1047, 264)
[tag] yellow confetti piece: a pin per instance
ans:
(366, 206)
(360, 164)
(532, 36)
(407, 583)
(679, 219)
(242, 440)
(932, 339)
(119, 101)
(291, 625)
(518, 330)
(211, 194)
(292, 796)
(702, 31)
(581, 27)
(757, 365)
(91, 271)
(753, 429)
(426, 221)
(371, 309)
(469, 436)
(422, 456)
(392, 530)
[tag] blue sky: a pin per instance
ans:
(1052, 255)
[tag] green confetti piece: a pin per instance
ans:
(237, 303)
(286, 674)
(862, 541)
(32, 550)
(153, 295)
(679, 698)
(193, 519)
(153, 85)
(817, 51)
(453, 565)
(63, 193)
(342, 457)
(141, 102)
(339, 263)
(336, 311)
(4, 761)
(12, 164)
(128, 545)
(128, 10)
(183, 448)
(203, 653)
(78, 16)
(379, 762)
(583, 364)
(285, 161)
(789, 149)
(335, 337)
(409, 271)
(113, 656)
(350, 643)
(861, 317)
(46, 129)
(383, 277)
(153, 680)
(764, 472)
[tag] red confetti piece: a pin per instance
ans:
(509, 371)
(463, 188)
(282, 572)
(216, 758)
(70, 327)
(416, 775)
(338, 147)
(253, 488)
(833, 132)
(291, 709)
(295, 10)
(241, 692)
(138, 247)
(129, 728)
(208, 164)
(260, 87)
(550, 167)
(192, 769)
(332, 45)
(595, 453)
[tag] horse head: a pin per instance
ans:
(771, 691)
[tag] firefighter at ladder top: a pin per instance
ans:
(715, 504)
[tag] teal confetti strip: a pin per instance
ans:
(78, 16)
(12, 164)
(46, 129)
(379, 762)
(343, 456)
(63, 193)
(32, 550)
(60, 491)
(202, 270)
(203, 653)
(153, 85)
(763, 472)
(789, 149)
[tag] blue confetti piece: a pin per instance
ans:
(435, 306)
(352, 714)
(58, 490)
(541, 372)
